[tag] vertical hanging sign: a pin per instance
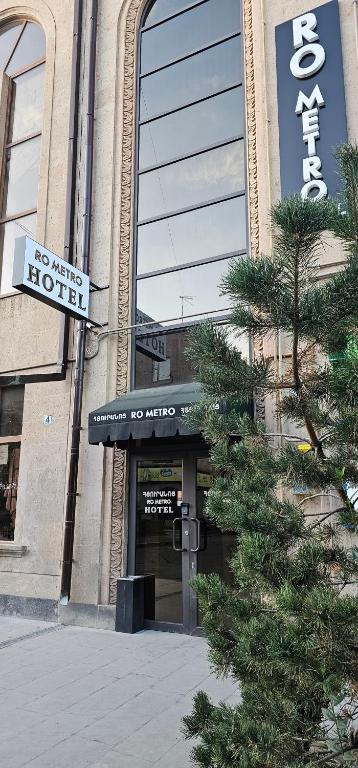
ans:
(311, 103)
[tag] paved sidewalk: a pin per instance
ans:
(73, 697)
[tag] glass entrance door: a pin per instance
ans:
(158, 535)
(174, 540)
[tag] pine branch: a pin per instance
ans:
(333, 755)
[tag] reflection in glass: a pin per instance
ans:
(9, 474)
(177, 295)
(205, 177)
(186, 33)
(216, 546)
(26, 104)
(8, 233)
(172, 367)
(201, 234)
(192, 79)
(11, 410)
(8, 37)
(191, 129)
(21, 178)
(163, 8)
(158, 484)
(31, 47)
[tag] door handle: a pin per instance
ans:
(174, 529)
(198, 528)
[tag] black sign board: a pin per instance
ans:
(311, 103)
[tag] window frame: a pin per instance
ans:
(7, 146)
(192, 320)
(12, 440)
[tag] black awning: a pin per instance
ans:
(144, 413)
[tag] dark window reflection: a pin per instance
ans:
(21, 178)
(191, 129)
(161, 359)
(211, 231)
(185, 108)
(159, 487)
(11, 409)
(163, 8)
(205, 177)
(26, 104)
(178, 295)
(9, 474)
(192, 79)
(188, 32)
(216, 546)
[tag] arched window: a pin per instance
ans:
(191, 178)
(22, 66)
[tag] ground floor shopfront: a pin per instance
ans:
(170, 536)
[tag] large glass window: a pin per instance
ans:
(191, 208)
(22, 59)
(11, 409)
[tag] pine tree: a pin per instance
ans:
(286, 627)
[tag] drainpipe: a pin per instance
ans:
(356, 23)
(71, 498)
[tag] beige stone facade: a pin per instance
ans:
(31, 333)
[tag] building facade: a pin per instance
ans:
(187, 162)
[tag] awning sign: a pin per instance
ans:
(311, 103)
(47, 277)
(143, 414)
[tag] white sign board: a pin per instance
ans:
(43, 275)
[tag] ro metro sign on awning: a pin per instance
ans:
(47, 277)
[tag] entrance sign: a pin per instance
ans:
(311, 103)
(158, 502)
(47, 277)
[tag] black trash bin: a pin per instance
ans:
(135, 603)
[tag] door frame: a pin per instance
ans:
(188, 452)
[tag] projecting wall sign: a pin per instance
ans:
(311, 103)
(43, 275)
(154, 346)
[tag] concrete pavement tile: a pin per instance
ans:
(65, 697)
(116, 760)
(115, 727)
(159, 734)
(177, 757)
(217, 689)
(11, 627)
(28, 745)
(67, 725)
(184, 679)
(150, 703)
(149, 743)
(47, 682)
(14, 721)
(112, 695)
(171, 661)
(234, 699)
(101, 699)
(70, 753)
